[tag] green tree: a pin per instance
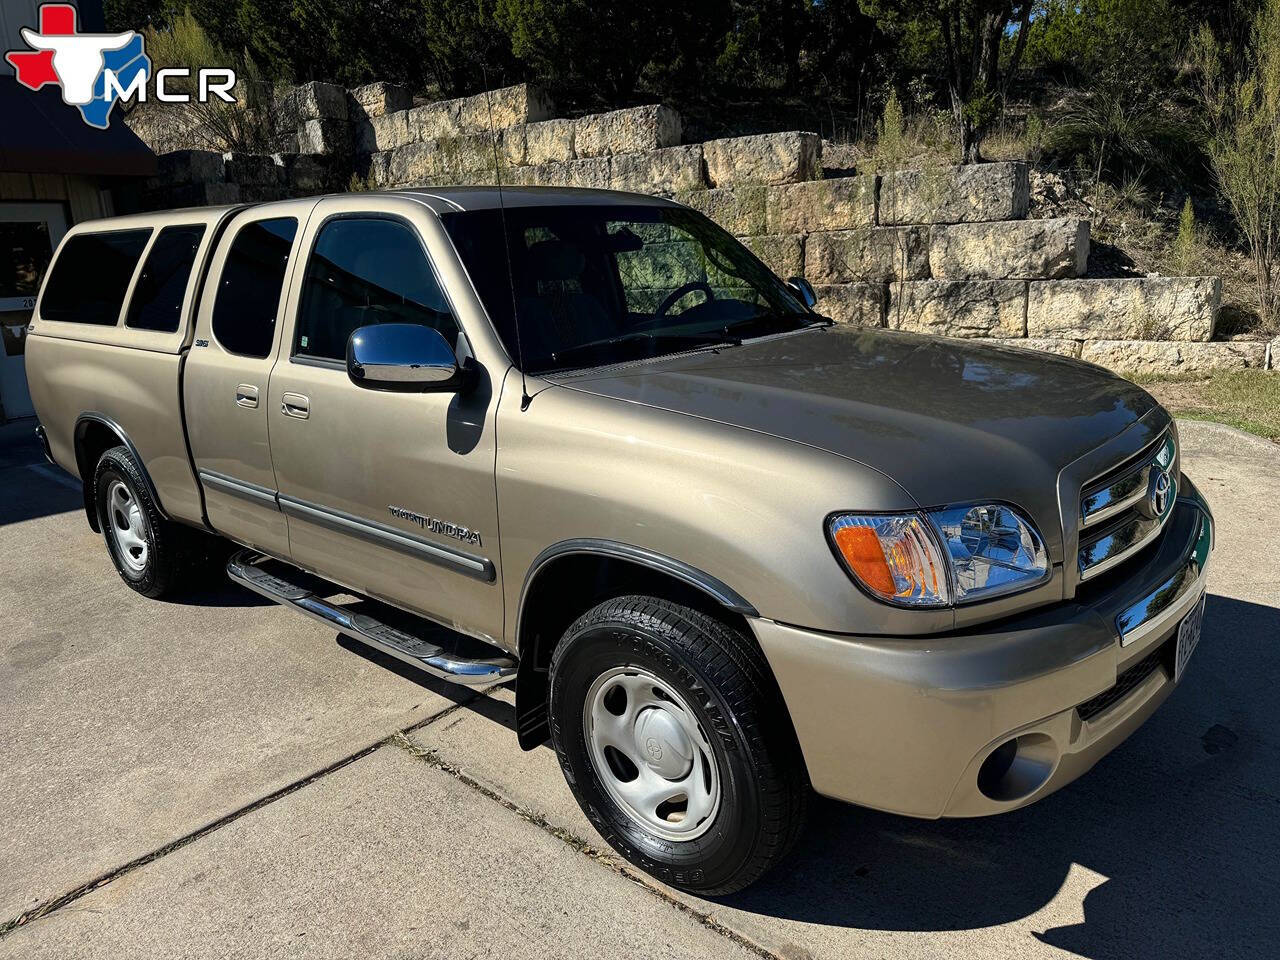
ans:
(1242, 96)
(138, 14)
(569, 43)
(1124, 116)
(844, 53)
(981, 44)
(763, 40)
(601, 50)
(1079, 38)
(1230, 21)
(241, 125)
(274, 39)
(462, 42)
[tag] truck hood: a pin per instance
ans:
(949, 421)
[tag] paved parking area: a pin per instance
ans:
(218, 777)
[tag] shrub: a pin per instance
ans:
(1243, 102)
(1122, 129)
(218, 125)
(1185, 257)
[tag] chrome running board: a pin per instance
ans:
(247, 568)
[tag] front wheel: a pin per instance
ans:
(676, 743)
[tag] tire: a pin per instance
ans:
(698, 712)
(152, 554)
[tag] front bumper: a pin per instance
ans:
(906, 724)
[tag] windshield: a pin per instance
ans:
(600, 284)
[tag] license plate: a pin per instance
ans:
(1188, 637)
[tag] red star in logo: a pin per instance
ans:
(35, 68)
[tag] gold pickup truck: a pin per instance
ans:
(727, 551)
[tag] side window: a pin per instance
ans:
(91, 276)
(252, 282)
(366, 271)
(162, 285)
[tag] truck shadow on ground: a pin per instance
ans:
(1181, 825)
(31, 487)
(218, 594)
(30, 496)
(1181, 822)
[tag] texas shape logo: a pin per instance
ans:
(80, 63)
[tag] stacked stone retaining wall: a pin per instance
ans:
(943, 250)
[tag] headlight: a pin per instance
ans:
(993, 550)
(932, 559)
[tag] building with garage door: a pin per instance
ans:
(55, 170)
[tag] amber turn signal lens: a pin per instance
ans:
(894, 556)
(860, 548)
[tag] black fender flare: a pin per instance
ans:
(531, 715)
(86, 469)
(716, 589)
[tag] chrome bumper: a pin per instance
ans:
(909, 724)
(1166, 604)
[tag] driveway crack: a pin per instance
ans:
(71, 896)
(607, 858)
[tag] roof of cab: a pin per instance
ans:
(449, 199)
(440, 200)
(155, 218)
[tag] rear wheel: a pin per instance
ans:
(150, 552)
(676, 743)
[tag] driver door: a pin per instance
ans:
(391, 494)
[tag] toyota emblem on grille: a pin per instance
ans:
(1158, 495)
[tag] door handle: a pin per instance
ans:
(295, 405)
(247, 395)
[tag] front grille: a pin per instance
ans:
(1125, 684)
(1126, 508)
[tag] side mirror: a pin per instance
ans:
(403, 356)
(803, 289)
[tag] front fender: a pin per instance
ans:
(745, 509)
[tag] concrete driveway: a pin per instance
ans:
(219, 777)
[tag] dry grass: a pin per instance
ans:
(1133, 226)
(1133, 232)
(1246, 399)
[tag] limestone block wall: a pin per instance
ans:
(942, 250)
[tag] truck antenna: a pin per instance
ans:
(506, 241)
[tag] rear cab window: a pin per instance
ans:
(161, 290)
(91, 276)
(251, 285)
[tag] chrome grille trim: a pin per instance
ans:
(1113, 522)
(1119, 541)
(1116, 494)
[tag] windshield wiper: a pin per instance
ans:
(692, 339)
(763, 319)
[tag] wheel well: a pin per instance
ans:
(93, 438)
(94, 435)
(562, 590)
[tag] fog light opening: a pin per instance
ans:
(1018, 767)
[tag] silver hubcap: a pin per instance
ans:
(128, 526)
(651, 754)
